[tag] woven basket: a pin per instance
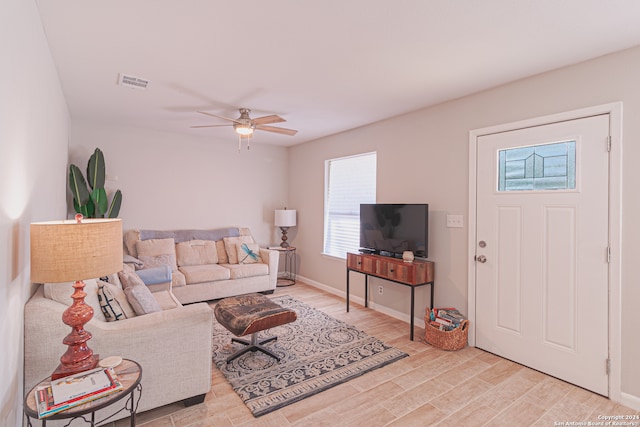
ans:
(455, 339)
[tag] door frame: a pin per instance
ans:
(615, 223)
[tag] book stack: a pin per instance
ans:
(75, 390)
(445, 319)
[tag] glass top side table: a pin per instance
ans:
(288, 276)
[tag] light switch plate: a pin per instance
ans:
(455, 221)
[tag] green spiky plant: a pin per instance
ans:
(91, 201)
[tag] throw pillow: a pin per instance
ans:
(156, 252)
(196, 252)
(114, 279)
(230, 246)
(138, 295)
(127, 268)
(248, 253)
(113, 302)
(158, 261)
(222, 252)
(137, 264)
(131, 237)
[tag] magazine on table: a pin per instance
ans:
(75, 394)
(72, 386)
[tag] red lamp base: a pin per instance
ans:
(78, 357)
(66, 370)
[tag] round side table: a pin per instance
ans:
(288, 276)
(129, 373)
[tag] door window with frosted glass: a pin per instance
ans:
(538, 167)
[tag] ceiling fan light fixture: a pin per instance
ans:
(245, 125)
(242, 129)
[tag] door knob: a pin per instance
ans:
(481, 259)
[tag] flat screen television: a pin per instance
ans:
(391, 229)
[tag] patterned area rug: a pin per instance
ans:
(317, 352)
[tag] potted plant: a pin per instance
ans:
(91, 201)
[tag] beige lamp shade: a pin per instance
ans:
(66, 251)
(285, 218)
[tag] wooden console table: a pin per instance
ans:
(412, 274)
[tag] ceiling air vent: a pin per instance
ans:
(132, 82)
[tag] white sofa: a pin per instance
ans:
(173, 345)
(204, 262)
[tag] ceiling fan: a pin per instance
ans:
(245, 125)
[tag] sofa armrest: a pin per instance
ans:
(272, 259)
(172, 346)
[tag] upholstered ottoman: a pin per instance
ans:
(249, 314)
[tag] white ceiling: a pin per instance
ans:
(325, 66)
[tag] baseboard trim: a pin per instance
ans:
(630, 400)
(419, 322)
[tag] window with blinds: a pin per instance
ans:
(349, 181)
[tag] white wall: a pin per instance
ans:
(33, 158)
(171, 181)
(423, 157)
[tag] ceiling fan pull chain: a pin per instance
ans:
(239, 142)
(248, 142)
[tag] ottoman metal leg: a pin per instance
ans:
(253, 345)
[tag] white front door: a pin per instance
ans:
(542, 248)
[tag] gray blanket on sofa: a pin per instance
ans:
(187, 235)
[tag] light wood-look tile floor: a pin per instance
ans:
(469, 387)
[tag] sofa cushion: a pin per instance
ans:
(157, 252)
(61, 292)
(204, 273)
(248, 253)
(138, 295)
(166, 300)
(230, 246)
(113, 302)
(196, 252)
(238, 271)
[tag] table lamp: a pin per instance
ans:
(73, 250)
(285, 218)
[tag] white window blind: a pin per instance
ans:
(349, 182)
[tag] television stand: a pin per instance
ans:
(412, 274)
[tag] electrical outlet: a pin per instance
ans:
(380, 290)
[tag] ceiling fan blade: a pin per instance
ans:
(220, 117)
(283, 131)
(268, 119)
(208, 126)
